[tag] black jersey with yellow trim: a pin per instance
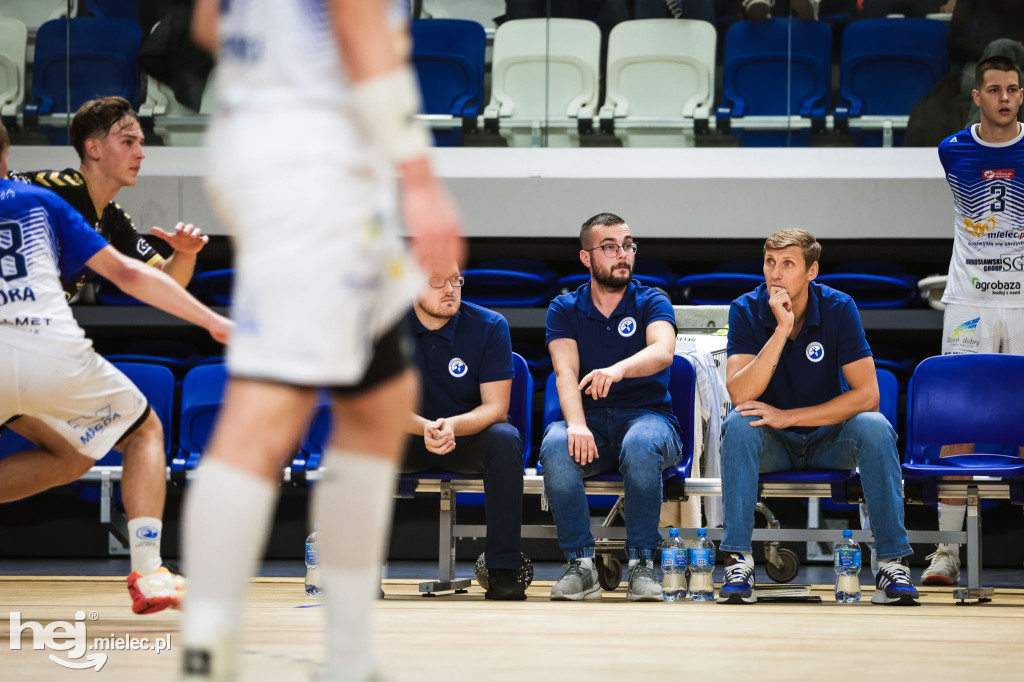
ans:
(115, 225)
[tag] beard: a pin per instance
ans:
(608, 278)
(442, 310)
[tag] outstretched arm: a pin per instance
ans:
(154, 287)
(187, 241)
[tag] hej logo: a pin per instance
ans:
(60, 636)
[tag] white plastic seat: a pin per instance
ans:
(529, 54)
(660, 69)
(13, 40)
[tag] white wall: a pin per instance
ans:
(719, 193)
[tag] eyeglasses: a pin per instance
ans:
(612, 250)
(439, 282)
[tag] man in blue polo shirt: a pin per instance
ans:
(802, 380)
(611, 342)
(464, 355)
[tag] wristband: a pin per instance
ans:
(385, 108)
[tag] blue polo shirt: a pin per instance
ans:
(810, 367)
(472, 348)
(604, 341)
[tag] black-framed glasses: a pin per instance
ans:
(439, 282)
(612, 250)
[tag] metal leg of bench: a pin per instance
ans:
(974, 589)
(446, 549)
(116, 524)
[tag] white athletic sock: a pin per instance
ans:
(226, 519)
(747, 557)
(587, 562)
(144, 541)
(352, 503)
(951, 518)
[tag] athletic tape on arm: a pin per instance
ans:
(385, 107)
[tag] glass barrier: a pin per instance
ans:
(556, 73)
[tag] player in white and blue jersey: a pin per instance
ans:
(984, 294)
(319, 91)
(74, 405)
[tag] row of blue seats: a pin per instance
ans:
(941, 408)
(523, 282)
(770, 68)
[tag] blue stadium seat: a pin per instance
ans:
(650, 273)
(201, 394)
(157, 383)
(123, 9)
(213, 287)
(765, 60)
(103, 58)
(873, 292)
(448, 55)
(511, 282)
(887, 65)
(716, 288)
(943, 408)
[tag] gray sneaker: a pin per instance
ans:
(576, 583)
(643, 583)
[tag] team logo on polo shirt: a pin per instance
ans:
(457, 368)
(815, 352)
(627, 327)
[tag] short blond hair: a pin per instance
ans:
(795, 237)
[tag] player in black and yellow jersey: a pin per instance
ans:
(108, 138)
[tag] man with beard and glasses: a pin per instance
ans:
(464, 356)
(611, 342)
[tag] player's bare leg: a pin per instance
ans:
(55, 462)
(361, 465)
(227, 515)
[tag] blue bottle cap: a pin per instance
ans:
(701, 532)
(673, 532)
(847, 533)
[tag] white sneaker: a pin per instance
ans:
(944, 568)
(757, 9)
(578, 582)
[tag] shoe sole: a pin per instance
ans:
(903, 600)
(143, 606)
(737, 599)
(939, 579)
(589, 595)
(644, 597)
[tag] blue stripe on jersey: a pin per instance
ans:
(987, 182)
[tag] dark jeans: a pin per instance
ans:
(497, 453)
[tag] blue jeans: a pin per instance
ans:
(649, 444)
(866, 441)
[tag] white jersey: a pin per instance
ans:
(987, 181)
(41, 238)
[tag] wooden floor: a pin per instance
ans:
(464, 637)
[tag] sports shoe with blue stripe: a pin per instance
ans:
(893, 586)
(739, 581)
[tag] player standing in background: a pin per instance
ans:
(322, 93)
(984, 298)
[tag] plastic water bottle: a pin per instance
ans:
(846, 560)
(673, 566)
(313, 563)
(702, 565)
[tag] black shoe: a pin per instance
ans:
(503, 584)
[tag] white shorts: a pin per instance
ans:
(970, 329)
(84, 398)
(320, 273)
